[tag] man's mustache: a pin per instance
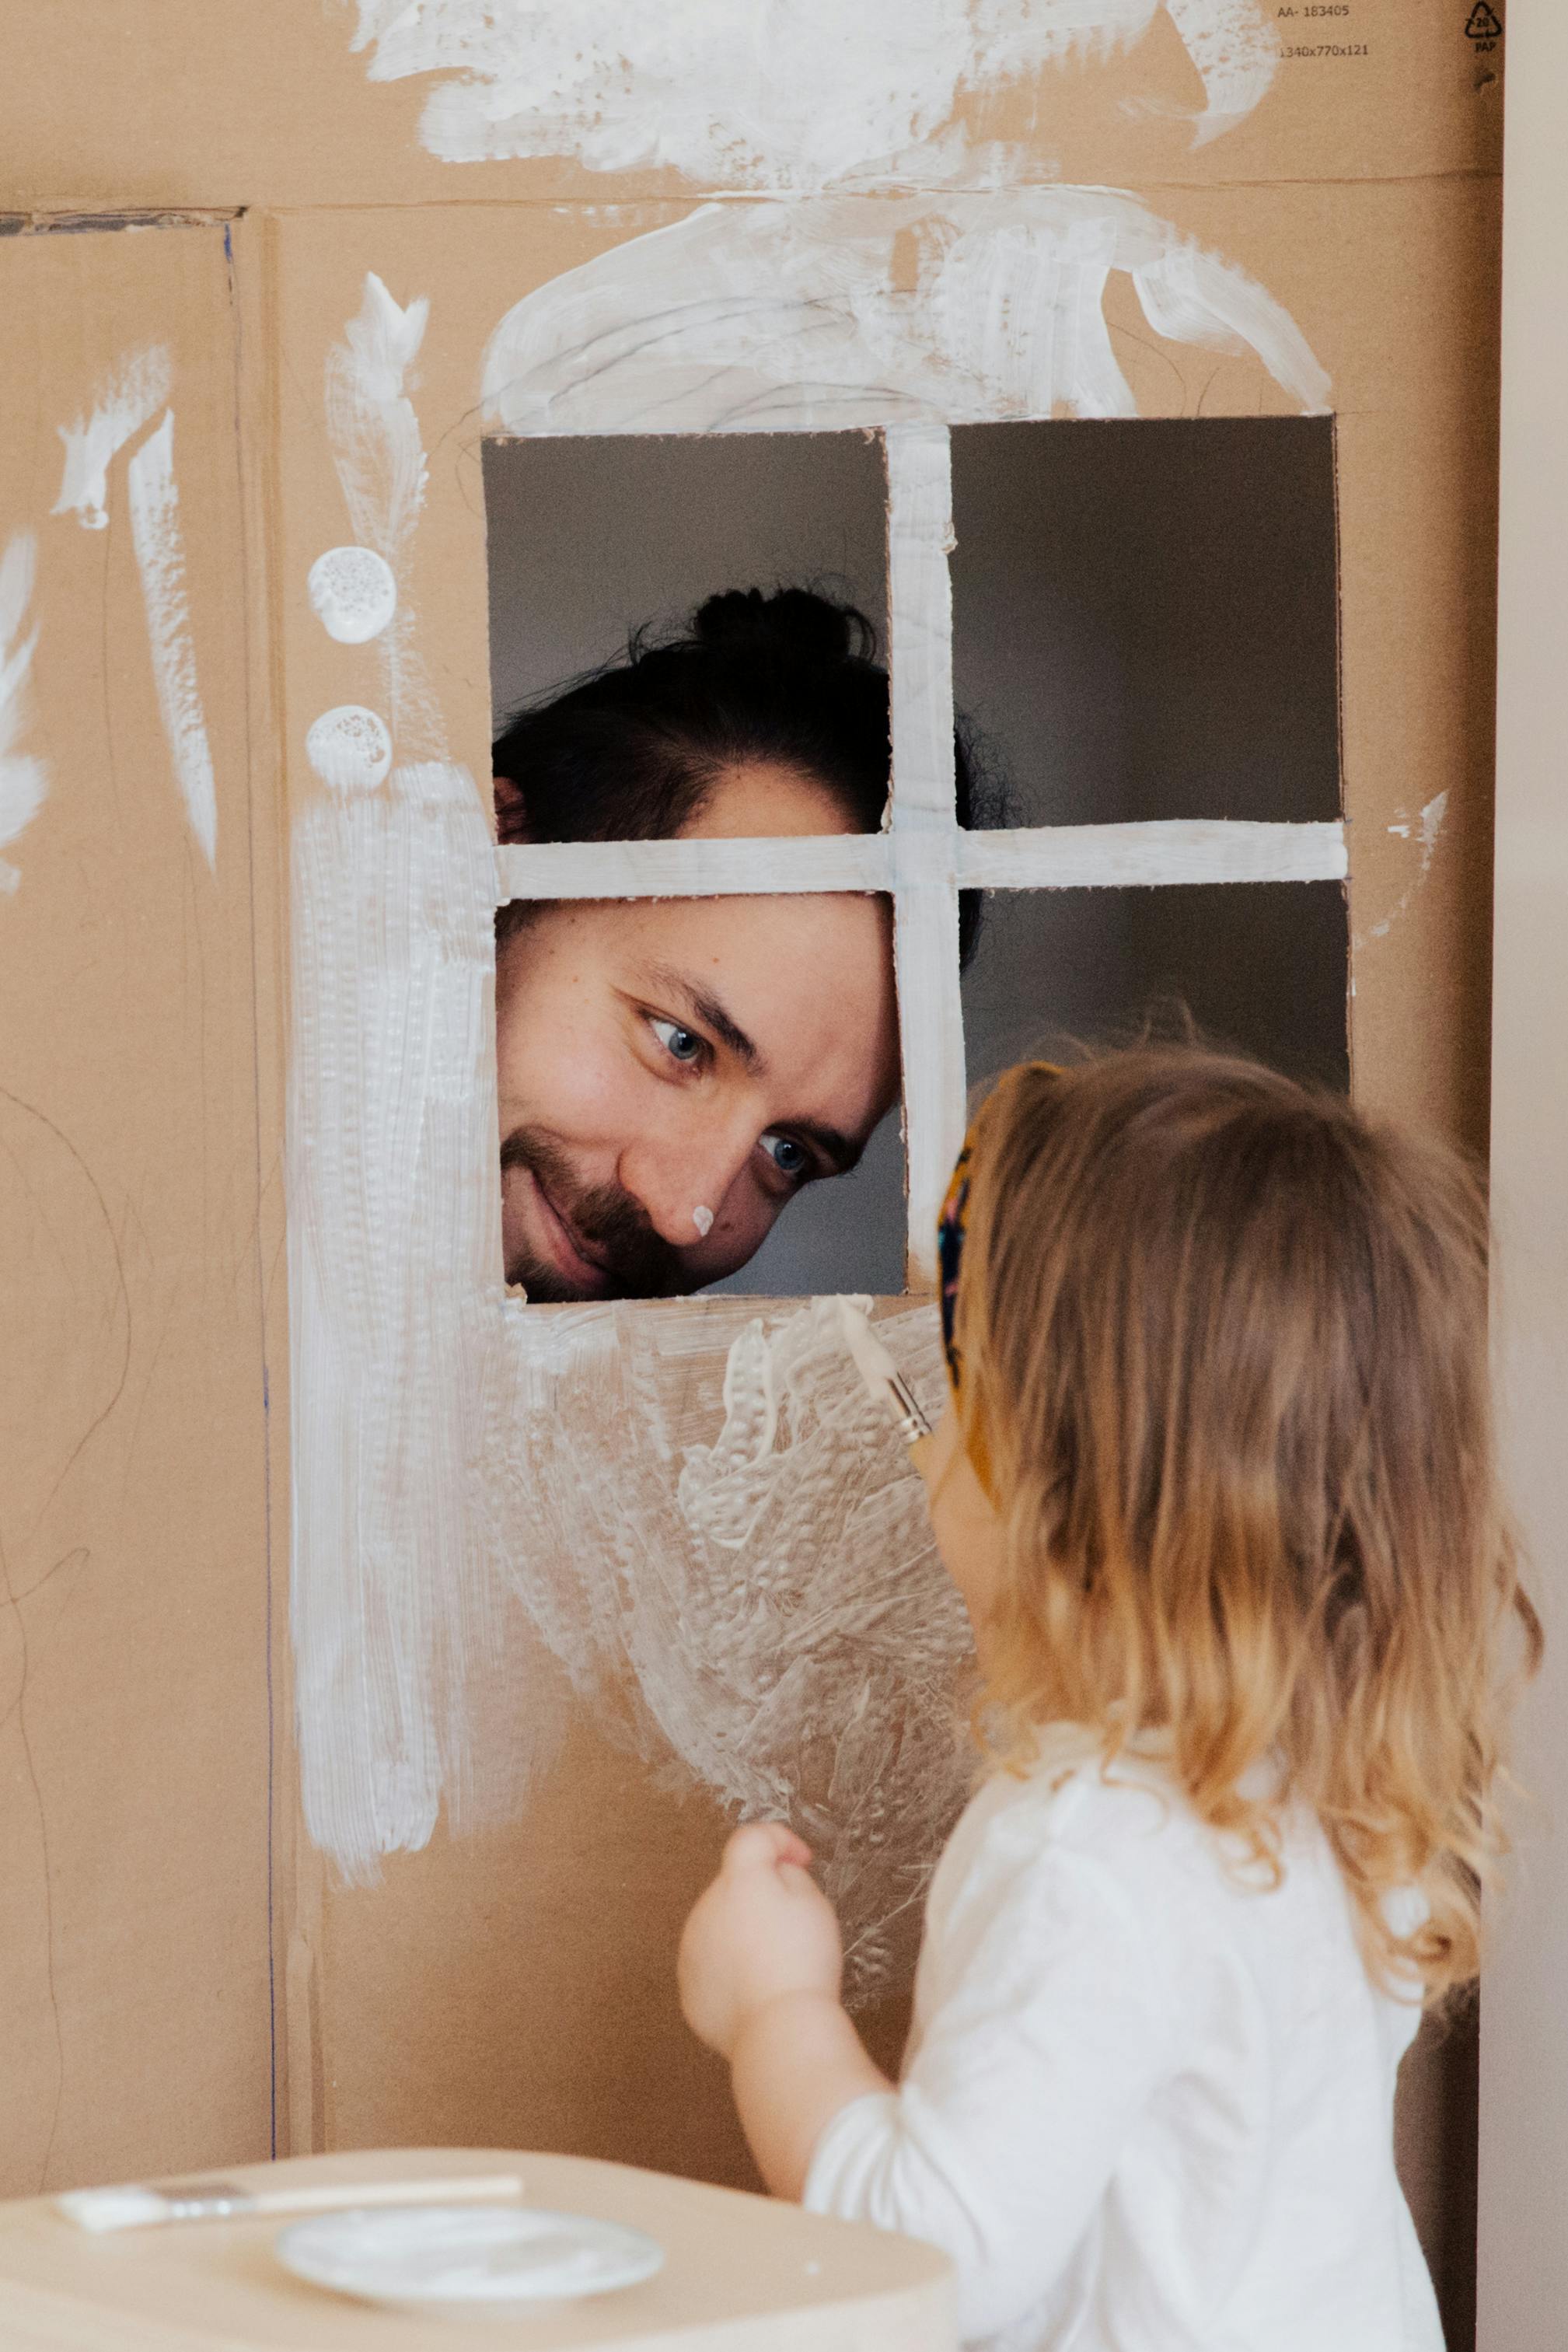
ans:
(613, 1228)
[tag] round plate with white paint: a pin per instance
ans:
(467, 2260)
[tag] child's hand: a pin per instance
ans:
(763, 1929)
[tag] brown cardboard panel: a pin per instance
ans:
(134, 2006)
(1400, 286)
(113, 103)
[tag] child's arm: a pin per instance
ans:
(759, 1970)
(1049, 2026)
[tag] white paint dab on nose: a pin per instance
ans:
(703, 1220)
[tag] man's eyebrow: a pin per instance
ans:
(842, 1150)
(709, 1011)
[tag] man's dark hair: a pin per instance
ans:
(631, 752)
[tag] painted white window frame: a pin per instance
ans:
(923, 857)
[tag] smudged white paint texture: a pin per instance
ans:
(717, 1532)
(757, 95)
(393, 1224)
(1428, 831)
(350, 749)
(792, 316)
(694, 1511)
(23, 780)
(353, 593)
(135, 392)
(154, 501)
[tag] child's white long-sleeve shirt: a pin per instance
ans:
(1148, 2101)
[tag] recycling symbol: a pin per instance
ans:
(1483, 23)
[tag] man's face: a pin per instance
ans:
(672, 1073)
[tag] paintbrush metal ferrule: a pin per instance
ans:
(881, 1375)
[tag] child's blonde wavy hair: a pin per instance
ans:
(1224, 1371)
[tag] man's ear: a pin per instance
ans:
(511, 817)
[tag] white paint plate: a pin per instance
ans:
(466, 2259)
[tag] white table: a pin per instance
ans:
(742, 2275)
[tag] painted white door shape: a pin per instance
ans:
(693, 1505)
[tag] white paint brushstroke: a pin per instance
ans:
(1237, 53)
(925, 913)
(350, 749)
(380, 458)
(719, 1532)
(1428, 832)
(1144, 854)
(24, 779)
(397, 1593)
(135, 392)
(400, 1602)
(794, 98)
(772, 317)
(353, 593)
(154, 500)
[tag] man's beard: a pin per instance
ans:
(638, 1261)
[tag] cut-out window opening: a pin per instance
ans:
(1106, 654)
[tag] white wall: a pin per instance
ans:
(1524, 2226)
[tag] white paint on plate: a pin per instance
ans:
(468, 2259)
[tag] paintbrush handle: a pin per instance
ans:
(328, 2195)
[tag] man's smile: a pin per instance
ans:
(589, 1273)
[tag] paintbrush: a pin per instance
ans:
(134, 2206)
(881, 1375)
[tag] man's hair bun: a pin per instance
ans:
(797, 621)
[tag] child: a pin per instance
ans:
(1216, 1481)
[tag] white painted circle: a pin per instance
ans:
(353, 593)
(350, 749)
(467, 2258)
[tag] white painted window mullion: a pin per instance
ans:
(926, 900)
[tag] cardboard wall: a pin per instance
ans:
(184, 1972)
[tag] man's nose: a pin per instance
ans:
(676, 1175)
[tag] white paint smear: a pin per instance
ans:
(925, 818)
(160, 561)
(353, 593)
(769, 317)
(799, 98)
(24, 779)
(132, 397)
(380, 458)
(1428, 831)
(350, 749)
(1145, 853)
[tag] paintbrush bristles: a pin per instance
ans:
(881, 1375)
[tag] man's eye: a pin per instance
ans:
(788, 1157)
(681, 1045)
